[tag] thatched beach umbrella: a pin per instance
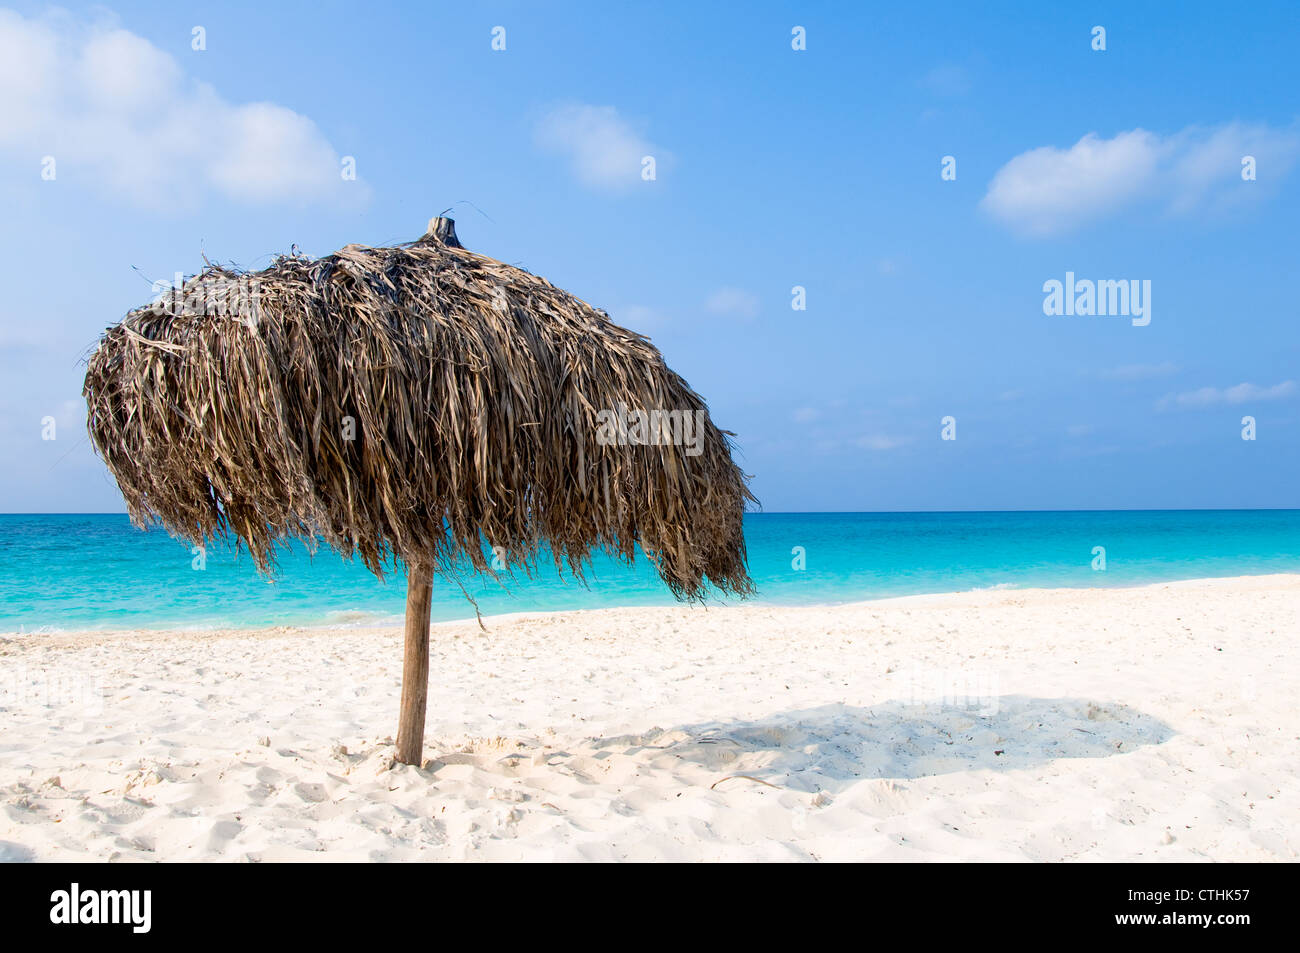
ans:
(413, 404)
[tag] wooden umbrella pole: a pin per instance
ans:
(415, 664)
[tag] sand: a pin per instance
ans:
(1150, 724)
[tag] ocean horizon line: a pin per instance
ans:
(1071, 509)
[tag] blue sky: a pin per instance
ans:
(774, 168)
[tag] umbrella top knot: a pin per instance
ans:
(442, 230)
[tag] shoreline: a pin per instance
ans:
(953, 597)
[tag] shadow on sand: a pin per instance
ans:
(832, 746)
(11, 853)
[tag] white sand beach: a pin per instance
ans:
(1152, 724)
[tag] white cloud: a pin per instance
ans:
(1048, 191)
(1240, 394)
(114, 110)
(732, 302)
(805, 415)
(604, 150)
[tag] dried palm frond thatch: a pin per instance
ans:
(413, 403)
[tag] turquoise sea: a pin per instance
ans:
(70, 571)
